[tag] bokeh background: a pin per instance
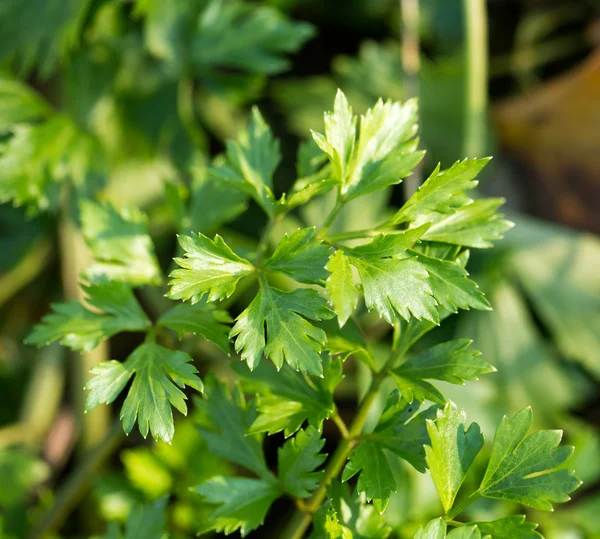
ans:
(124, 101)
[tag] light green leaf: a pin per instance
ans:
(435, 529)
(207, 268)
(244, 502)
(301, 257)
(286, 399)
(297, 461)
(79, 328)
(451, 361)
(443, 192)
(240, 36)
(326, 524)
(376, 478)
(343, 293)
(513, 527)
(19, 103)
(524, 468)
(289, 335)
(452, 451)
(403, 431)
(21, 473)
(251, 162)
(199, 319)
(476, 225)
(465, 532)
(381, 154)
(148, 521)
(159, 373)
(120, 244)
(229, 419)
(363, 521)
(450, 285)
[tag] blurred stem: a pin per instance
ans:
(73, 256)
(463, 505)
(25, 270)
(411, 63)
(187, 112)
(339, 204)
(476, 94)
(77, 484)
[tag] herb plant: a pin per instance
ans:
(308, 297)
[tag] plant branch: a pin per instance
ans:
(462, 506)
(339, 204)
(340, 424)
(76, 485)
(476, 59)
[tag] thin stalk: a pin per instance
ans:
(353, 235)
(340, 424)
(263, 243)
(339, 204)
(411, 64)
(476, 60)
(187, 112)
(74, 257)
(463, 505)
(301, 521)
(77, 484)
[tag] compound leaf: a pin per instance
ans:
(376, 478)
(208, 267)
(199, 319)
(159, 373)
(524, 468)
(301, 257)
(79, 328)
(289, 335)
(452, 451)
(243, 501)
(120, 244)
(451, 361)
(297, 461)
(343, 293)
(251, 162)
(513, 527)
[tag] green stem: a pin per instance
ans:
(411, 64)
(263, 244)
(339, 422)
(77, 484)
(476, 58)
(461, 506)
(353, 235)
(339, 204)
(187, 112)
(301, 521)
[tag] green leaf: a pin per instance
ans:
(513, 527)
(21, 473)
(326, 524)
(443, 192)
(120, 244)
(380, 155)
(376, 478)
(289, 335)
(451, 361)
(343, 293)
(435, 529)
(159, 373)
(244, 502)
(465, 532)
(229, 419)
(199, 319)
(403, 431)
(297, 461)
(79, 328)
(301, 257)
(363, 521)
(450, 285)
(207, 268)
(251, 162)
(148, 521)
(286, 399)
(240, 36)
(19, 103)
(452, 451)
(474, 225)
(524, 468)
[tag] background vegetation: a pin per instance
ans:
(124, 102)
